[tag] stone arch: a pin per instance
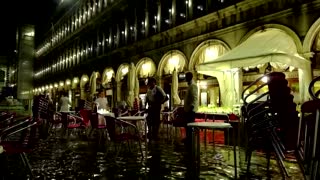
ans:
(140, 64)
(286, 29)
(201, 47)
(310, 38)
(166, 57)
(119, 71)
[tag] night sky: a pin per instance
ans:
(14, 12)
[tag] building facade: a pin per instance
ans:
(97, 40)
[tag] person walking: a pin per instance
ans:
(190, 105)
(155, 98)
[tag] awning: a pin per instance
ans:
(269, 45)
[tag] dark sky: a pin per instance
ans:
(14, 12)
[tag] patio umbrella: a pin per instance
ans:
(131, 84)
(136, 87)
(174, 88)
(136, 93)
(93, 83)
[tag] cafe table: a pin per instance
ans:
(196, 126)
(135, 119)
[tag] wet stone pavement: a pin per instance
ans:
(80, 158)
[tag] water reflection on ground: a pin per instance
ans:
(58, 158)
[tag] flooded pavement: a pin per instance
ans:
(79, 158)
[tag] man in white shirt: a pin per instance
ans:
(190, 104)
(155, 98)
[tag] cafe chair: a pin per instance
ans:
(19, 139)
(55, 123)
(78, 124)
(95, 126)
(123, 133)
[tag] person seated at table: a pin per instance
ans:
(64, 102)
(102, 101)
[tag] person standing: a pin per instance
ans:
(64, 102)
(190, 104)
(155, 98)
(102, 103)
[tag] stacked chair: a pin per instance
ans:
(271, 124)
(19, 135)
(308, 148)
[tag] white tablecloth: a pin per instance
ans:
(210, 125)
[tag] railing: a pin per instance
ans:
(308, 144)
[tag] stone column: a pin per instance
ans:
(94, 8)
(135, 28)
(89, 11)
(208, 6)
(74, 55)
(117, 40)
(190, 9)
(25, 64)
(87, 50)
(119, 91)
(76, 21)
(173, 13)
(159, 16)
(103, 43)
(82, 93)
(146, 23)
(110, 37)
(98, 44)
(126, 27)
(78, 54)
(99, 5)
(84, 14)
(80, 17)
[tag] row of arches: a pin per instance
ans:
(204, 52)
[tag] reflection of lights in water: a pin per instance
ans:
(68, 82)
(56, 85)
(265, 79)
(47, 87)
(61, 84)
(85, 79)
(51, 87)
(75, 81)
